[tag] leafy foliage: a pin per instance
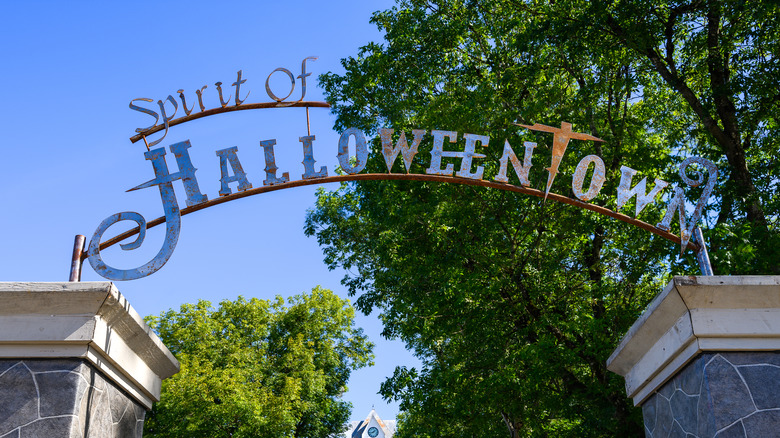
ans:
(255, 368)
(512, 304)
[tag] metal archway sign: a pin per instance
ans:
(469, 173)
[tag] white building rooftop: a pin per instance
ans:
(371, 427)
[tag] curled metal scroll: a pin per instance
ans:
(164, 181)
(172, 229)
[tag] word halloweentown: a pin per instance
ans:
(223, 102)
(232, 172)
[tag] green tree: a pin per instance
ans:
(513, 304)
(258, 368)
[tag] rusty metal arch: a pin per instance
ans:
(404, 177)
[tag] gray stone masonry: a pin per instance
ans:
(723, 395)
(64, 398)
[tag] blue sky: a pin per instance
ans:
(69, 72)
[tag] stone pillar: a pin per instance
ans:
(703, 360)
(76, 361)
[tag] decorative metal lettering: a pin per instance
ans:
(361, 151)
(561, 137)
(438, 151)
(596, 181)
(237, 84)
(163, 180)
(304, 75)
(390, 153)
(434, 172)
(308, 159)
(678, 200)
(223, 102)
(625, 191)
(184, 103)
(468, 154)
(268, 86)
(270, 164)
(145, 111)
(521, 171)
(219, 90)
(229, 156)
(200, 97)
(165, 118)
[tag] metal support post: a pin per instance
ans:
(702, 256)
(75, 264)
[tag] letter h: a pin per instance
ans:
(186, 172)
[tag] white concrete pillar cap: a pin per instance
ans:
(692, 315)
(89, 320)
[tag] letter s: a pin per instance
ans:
(145, 111)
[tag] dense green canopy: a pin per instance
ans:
(514, 304)
(259, 369)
